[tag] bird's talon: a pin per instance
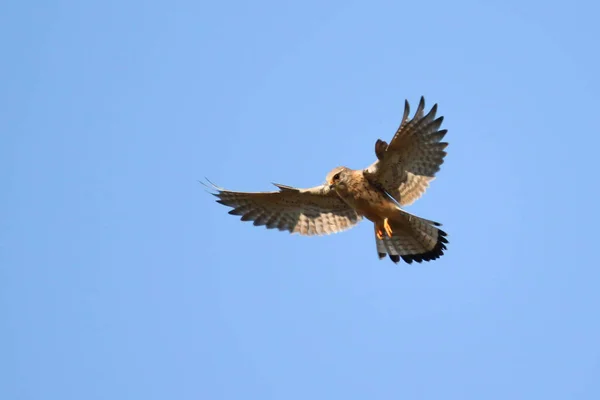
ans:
(387, 227)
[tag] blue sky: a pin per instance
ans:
(120, 278)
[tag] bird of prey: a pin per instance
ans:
(400, 175)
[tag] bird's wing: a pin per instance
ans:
(407, 165)
(314, 211)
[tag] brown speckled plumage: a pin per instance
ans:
(401, 174)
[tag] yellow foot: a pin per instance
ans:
(382, 230)
(387, 227)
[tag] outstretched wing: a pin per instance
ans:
(313, 211)
(406, 166)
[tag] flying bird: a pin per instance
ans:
(400, 175)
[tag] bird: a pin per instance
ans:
(401, 174)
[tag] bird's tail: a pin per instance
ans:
(413, 239)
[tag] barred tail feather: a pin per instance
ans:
(413, 239)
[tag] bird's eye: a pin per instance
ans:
(336, 176)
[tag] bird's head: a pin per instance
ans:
(337, 177)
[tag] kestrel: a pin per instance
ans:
(401, 174)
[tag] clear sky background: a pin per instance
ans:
(121, 278)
